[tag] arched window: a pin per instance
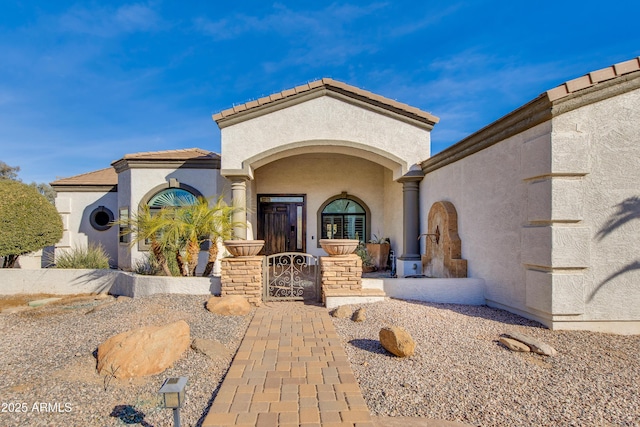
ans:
(344, 217)
(164, 196)
(173, 197)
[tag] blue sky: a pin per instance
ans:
(83, 83)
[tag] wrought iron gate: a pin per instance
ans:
(291, 276)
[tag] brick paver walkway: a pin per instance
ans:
(290, 370)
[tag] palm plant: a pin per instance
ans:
(219, 227)
(187, 226)
(145, 226)
(198, 223)
(182, 229)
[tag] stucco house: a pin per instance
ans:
(543, 204)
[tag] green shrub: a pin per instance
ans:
(149, 265)
(361, 251)
(28, 222)
(93, 257)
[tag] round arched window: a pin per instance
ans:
(101, 218)
(172, 197)
(344, 219)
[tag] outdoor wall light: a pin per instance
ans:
(173, 395)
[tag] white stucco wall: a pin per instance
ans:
(610, 135)
(330, 125)
(75, 209)
(489, 194)
(136, 183)
(393, 214)
(76, 281)
(550, 218)
(322, 176)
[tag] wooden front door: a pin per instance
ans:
(281, 223)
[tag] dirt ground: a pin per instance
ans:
(7, 301)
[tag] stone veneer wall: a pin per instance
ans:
(243, 276)
(341, 273)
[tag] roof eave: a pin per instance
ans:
(325, 87)
(543, 108)
(84, 188)
(197, 163)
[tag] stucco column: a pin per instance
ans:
(239, 200)
(410, 223)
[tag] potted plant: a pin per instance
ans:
(378, 249)
(367, 261)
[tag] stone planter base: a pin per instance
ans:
(243, 276)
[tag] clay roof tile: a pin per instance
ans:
(594, 78)
(179, 154)
(106, 176)
(301, 88)
(627, 66)
(264, 100)
(602, 74)
(288, 92)
(328, 83)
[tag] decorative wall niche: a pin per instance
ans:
(443, 254)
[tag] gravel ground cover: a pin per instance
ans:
(47, 357)
(461, 373)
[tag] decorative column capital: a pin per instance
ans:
(413, 176)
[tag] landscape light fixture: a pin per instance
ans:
(173, 394)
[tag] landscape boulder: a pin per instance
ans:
(143, 351)
(536, 346)
(342, 312)
(210, 348)
(514, 345)
(359, 315)
(230, 305)
(397, 341)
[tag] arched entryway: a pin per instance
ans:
(316, 141)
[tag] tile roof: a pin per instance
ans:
(592, 87)
(106, 176)
(593, 78)
(180, 154)
(109, 176)
(335, 86)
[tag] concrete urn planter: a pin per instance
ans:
(244, 248)
(339, 247)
